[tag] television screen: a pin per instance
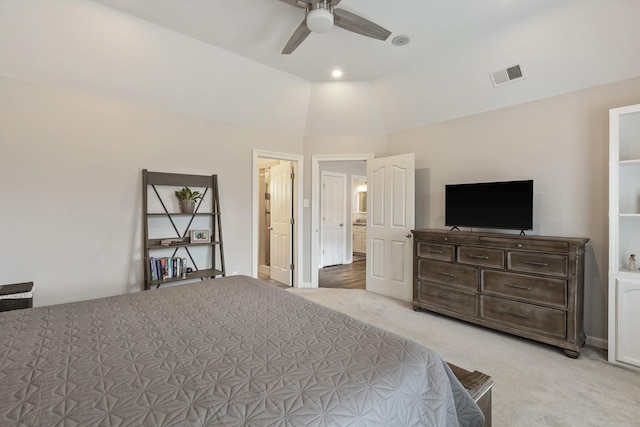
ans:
(507, 205)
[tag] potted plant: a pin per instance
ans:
(188, 199)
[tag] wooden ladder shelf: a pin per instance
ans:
(178, 250)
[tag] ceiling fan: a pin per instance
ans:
(320, 16)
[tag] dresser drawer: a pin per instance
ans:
(436, 251)
(448, 274)
(448, 298)
(483, 257)
(534, 289)
(553, 265)
(447, 237)
(526, 244)
(548, 321)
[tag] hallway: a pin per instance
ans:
(346, 276)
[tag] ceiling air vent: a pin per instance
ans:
(506, 75)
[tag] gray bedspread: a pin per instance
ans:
(228, 352)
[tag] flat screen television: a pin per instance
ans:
(505, 205)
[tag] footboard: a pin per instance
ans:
(479, 386)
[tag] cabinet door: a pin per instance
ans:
(363, 241)
(357, 241)
(628, 339)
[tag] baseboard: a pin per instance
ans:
(598, 342)
(264, 269)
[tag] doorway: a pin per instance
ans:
(391, 216)
(351, 275)
(344, 267)
(277, 234)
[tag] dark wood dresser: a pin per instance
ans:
(531, 286)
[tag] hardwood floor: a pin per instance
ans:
(266, 278)
(347, 276)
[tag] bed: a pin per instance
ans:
(233, 351)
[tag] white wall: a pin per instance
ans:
(343, 108)
(70, 186)
(455, 83)
(93, 48)
(561, 143)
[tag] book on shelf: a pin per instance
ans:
(154, 268)
(173, 242)
(167, 268)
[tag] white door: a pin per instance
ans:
(333, 207)
(391, 217)
(628, 337)
(281, 216)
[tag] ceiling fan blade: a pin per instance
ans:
(334, 3)
(298, 37)
(298, 3)
(357, 24)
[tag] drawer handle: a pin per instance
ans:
(526, 288)
(442, 273)
(517, 315)
(478, 256)
(447, 297)
(435, 252)
(539, 264)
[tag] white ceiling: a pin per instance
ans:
(259, 29)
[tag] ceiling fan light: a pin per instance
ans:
(319, 20)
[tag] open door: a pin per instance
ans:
(391, 217)
(281, 222)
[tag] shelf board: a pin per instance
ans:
(183, 214)
(208, 272)
(154, 245)
(633, 162)
(164, 178)
(623, 270)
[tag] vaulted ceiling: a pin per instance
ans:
(222, 58)
(440, 32)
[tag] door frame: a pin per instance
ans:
(297, 241)
(315, 212)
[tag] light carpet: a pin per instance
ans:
(535, 384)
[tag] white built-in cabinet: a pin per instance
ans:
(624, 234)
(359, 238)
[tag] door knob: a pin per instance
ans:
(341, 225)
(409, 235)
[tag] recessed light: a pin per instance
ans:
(336, 73)
(400, 40)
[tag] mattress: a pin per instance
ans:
(228, 352)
